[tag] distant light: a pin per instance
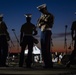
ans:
(36, 50)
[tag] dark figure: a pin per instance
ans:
(26, 39)
(4, 38)
(45, 23)
(73, 34)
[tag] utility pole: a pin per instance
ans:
(65, 41)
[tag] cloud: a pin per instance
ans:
(59, 35)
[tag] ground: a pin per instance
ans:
(37, 69)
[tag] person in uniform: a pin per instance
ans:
(45, 23)
(4, 38)
(28, 30)
(73, 34)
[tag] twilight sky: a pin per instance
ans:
(63, 11)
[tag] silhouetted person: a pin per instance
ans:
(73, 34)
(4, 38)
(26, 39)
(45, 23)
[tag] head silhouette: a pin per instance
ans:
(1, 17)
(28, 17)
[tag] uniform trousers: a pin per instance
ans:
(45, 48)
(27, 41)
(3, 50)
(73, 54)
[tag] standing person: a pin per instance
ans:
(26, 39)
(73, 34)
(45, 23)
(4, 38)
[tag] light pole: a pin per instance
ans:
(15, 35)
(65, 44)
(16, 39)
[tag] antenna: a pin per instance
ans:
(65, 44)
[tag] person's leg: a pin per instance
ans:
(72, 56)
(29, 56)
(45, 48)
(5, 54)
(48, 56)
(21, 58)
(48, 50)
(0, 57)
(42, 41)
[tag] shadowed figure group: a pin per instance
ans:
(45, 23)
(27, 33)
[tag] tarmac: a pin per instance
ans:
(58, 69)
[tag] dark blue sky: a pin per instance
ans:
(14, 10)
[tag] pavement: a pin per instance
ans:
(58, 69)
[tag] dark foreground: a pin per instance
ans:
(38, 69)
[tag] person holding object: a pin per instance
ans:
(4, 38)
(28, 30)
(45, 23)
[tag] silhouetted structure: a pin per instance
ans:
(65, 43)
(26, 39)
(45, 23)
(73, 54)
(4, 37)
